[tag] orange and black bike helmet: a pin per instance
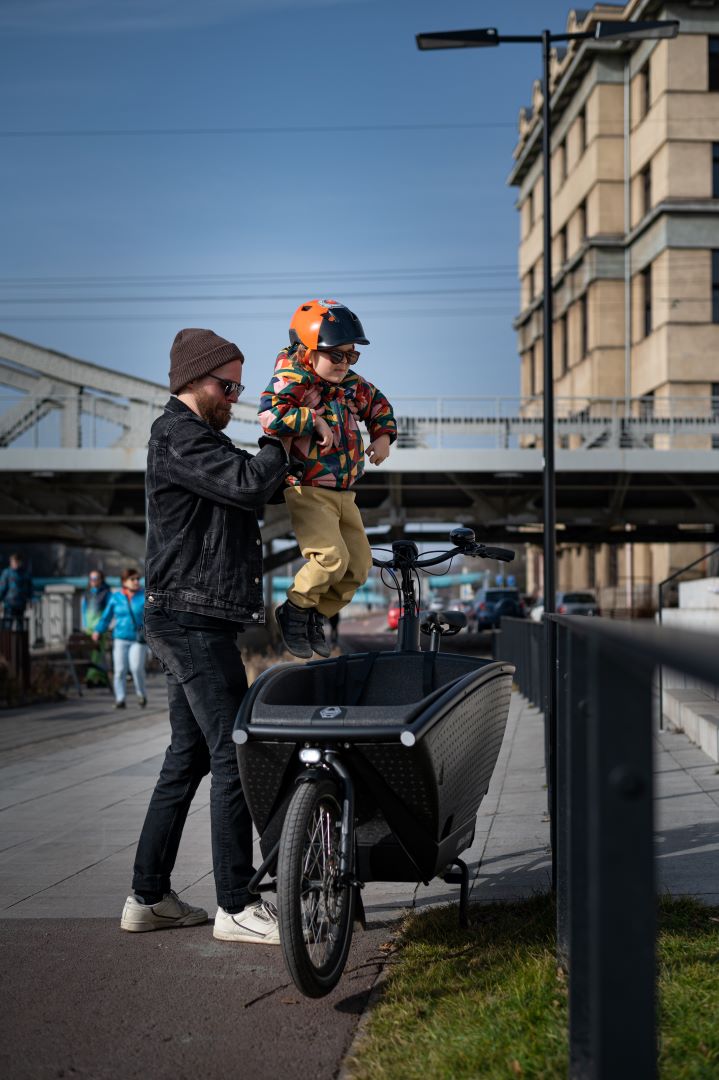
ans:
(325, 324)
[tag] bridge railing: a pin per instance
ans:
(601, 796)
(98, 420)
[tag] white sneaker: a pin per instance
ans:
(171, 911)
(257, 922)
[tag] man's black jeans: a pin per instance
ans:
(206, 682)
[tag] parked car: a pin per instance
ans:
(490, 605)
(569, 603)
(393, 613)
(537, 610)
(577, 603)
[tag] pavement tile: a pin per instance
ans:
(67, 843)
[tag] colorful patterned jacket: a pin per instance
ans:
(297, 395)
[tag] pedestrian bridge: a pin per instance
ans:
(73, 437)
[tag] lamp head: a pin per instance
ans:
(626, 31)
(459, 39)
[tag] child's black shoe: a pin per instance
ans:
(316, 633)
(293, 623)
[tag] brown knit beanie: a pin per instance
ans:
(195, 353)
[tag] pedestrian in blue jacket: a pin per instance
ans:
(129, 650)
(15, 593)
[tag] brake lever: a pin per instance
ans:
(501, 554)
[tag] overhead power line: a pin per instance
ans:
(279, 317)
(287, 129)
(82, 133)
(236, 298)
(413, 273)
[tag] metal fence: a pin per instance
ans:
(15, 651)
(600, 782)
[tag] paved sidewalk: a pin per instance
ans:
(75, 779)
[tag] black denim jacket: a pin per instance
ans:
(204, 551)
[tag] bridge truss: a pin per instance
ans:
(72, 460)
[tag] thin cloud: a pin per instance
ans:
(75, 17)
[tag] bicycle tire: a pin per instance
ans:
(316, 912)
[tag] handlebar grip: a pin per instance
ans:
(502, 554)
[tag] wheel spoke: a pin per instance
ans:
(320, 905)
(315, 907)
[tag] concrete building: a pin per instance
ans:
(635, 221)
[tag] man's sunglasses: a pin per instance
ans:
(228, 387)
(338, 356)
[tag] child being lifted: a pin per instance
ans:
(316, 397)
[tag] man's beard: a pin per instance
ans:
(215, 413)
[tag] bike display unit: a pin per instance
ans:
(369, 767)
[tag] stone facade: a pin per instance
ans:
(635, 245)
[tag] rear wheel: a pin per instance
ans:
(316, 910)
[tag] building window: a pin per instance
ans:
(530, 284)
(715, 170)
(584, 326)
(715, 286)
(560, 163)
(646, 406)
(645, 180)
(645, 90)
(646, 275)
(582, 215)
(562, 246)
(530, 205)
(565, 346)
(582, 132)
(715, 412)
(713, 62)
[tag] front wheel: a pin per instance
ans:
(316, 909)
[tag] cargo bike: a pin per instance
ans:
(369, 767)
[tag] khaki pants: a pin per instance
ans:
(331, 536)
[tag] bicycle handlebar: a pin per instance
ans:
(405, 560)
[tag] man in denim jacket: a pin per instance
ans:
(203, 580)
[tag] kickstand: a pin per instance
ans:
(360, 916)
(462, 879)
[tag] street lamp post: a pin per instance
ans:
(588, 1038)
(489, 37)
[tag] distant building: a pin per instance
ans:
(635, 219)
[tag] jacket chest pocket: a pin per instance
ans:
(209, 567)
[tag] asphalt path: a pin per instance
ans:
(79, 997)
(82, 999)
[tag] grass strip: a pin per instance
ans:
(490, 1001)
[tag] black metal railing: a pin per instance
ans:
(601, 778)
(660, 610)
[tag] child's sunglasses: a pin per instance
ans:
(228, 387)
(337, 356)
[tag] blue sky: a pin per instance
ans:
(355, 186)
